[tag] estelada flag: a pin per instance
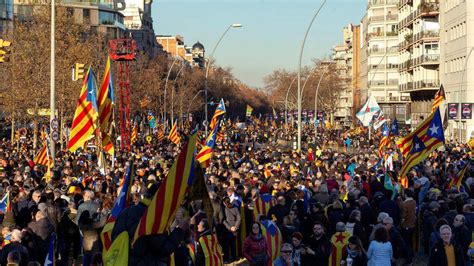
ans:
(220, 110)
(273, 237)
(429, 137)
(5, 203)
(119, 206)
(85, 116)
(161, 212)
(338, 247)
(406, 144)
(262, 205)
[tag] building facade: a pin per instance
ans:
(138, 20)
(457, 64)
(174, 46)
(382, 59)
(419, 54)
(101, 16)
(343, 56)
(6, 15)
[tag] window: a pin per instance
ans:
(106, 18)
(86, 16)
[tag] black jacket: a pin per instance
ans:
(15, 246)
(200, 259)
(438, 255)
(322, 248)
(463, 236)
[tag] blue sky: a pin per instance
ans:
(271, 35)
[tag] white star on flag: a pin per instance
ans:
(417, 146)
(434, 129)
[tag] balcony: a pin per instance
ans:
(376, 34)
(392, 50)
(392, 33)
(376, 3)
(391, 2)
(428, 8)
(392, 82)
(391, 66)
(377, 83)
(426, 34)
(427, 84)
(430, 59)
(404, 2)
(376, 18)
(406, 87)
(391, 17)
(379, 66)
(376, 50)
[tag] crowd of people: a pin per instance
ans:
(329, 203)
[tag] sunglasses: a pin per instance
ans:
(286, 251)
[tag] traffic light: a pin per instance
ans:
(3, 52)
(78, 71)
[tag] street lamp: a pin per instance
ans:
(316, 105)
(166, 84)
(172, 90)
(299, 73)
(286, 101)
(52, 80)
(235, 25)
(460, 94)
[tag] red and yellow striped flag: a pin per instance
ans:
(440, 96)
(173, 135)
(161, 212)
(43, 158)
(107, 144)
(105, 98)
(262, 205)
(457, 180)
(213, 255)
(160, 135)
(134, 136)
(85, 117)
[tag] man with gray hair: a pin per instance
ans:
(89, 220)
(379, 224)
(396, 239)
(15, 246)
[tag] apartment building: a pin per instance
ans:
(138, 20)
(383, 59)
(457, 65)
(419, 54)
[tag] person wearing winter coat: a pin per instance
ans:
(255, 248)
(355, 254)
(462, 235)
(15, 245)
(232, 223)
(38, 235)
(446, 252)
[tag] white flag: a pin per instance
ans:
(368, 111)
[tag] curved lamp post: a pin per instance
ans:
(166, 84)
(286, 101)
(316, 104)
(172, 90)
(460, 127)
(299, 73)
(235, 25)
